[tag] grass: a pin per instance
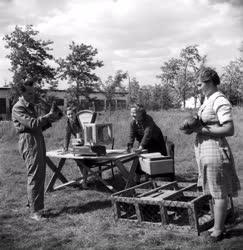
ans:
(83, 219)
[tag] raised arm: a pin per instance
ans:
(19, 115)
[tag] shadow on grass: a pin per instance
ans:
(116, 182)
(88, 207)
(234, 233)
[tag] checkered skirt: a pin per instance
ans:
(217, 173)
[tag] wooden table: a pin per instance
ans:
(113, 159)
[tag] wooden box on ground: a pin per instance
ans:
(174, 206)
(156, 164)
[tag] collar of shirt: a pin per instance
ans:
(22, 100)
(26, 104)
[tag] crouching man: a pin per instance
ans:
(147, 133)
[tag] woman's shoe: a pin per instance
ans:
(218, 238)
(210, 230)
(37, 217)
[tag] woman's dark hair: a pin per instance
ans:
(24, 84)
(209, 75)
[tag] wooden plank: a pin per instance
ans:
(181, 191)
(158, 196)
(131, 188)
(138, 212)
(203, 198)
(69, 183)
(116, 210)
(156, 189)
(163, 214)
(193, 217)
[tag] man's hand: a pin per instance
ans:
(188, 131)
(53, 114)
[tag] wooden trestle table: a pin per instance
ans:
(113, 159)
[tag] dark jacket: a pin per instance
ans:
(148, 134)
(72, 128)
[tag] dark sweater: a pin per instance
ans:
(148, 134)
(72, 128)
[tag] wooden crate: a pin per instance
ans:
(175, 206)
(156, 165)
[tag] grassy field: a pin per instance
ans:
(83, 219)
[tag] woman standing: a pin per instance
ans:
(217, 174)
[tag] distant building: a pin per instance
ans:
(120, 101)
(4, 103)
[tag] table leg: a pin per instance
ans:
(97, 175)
(130, 180)
(57, 173)
(122, 169)
(128, 176)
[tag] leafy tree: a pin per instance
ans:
(179, 74)
(29, 58)
(170, 76)
(78, 69)
(145, 96)
(161, 97)
(111, 85)
(155, 97)
(231, 81)
(192, 62)
(133, 90)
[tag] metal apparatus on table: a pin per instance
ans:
(96, 135)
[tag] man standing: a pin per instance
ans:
(32, 145)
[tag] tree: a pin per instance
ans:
(180, 73)
(192, 62)
(133, 90)
(170, 77)
(231, 81)
(111, 85)
(78, 69)
(161, 98)
(145, 96)
(29, 58)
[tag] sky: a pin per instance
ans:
(137, 36)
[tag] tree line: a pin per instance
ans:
(31, 58)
